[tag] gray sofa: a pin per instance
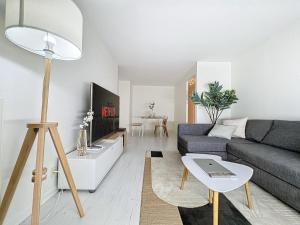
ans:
(271, 148)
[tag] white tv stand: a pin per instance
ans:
(88, 171)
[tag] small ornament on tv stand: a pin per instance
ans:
(82, 139)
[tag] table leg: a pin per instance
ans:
(160, 128)
(184, 177)
(210, 196)
(248, 194)
(215, 208)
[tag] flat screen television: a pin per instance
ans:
(105, 106)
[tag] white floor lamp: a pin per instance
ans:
(52, 29)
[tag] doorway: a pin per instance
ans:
(191, 88)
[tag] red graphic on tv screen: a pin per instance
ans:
(108, 112)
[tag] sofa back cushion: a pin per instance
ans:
(256, 130)
(284, 134)
(194, 129)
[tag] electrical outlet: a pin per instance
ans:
(54, 171)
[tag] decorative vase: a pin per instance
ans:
(82, 143)
(152, 113)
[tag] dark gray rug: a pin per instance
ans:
(228, 214)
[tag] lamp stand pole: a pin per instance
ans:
(48, 62)
(39, 173)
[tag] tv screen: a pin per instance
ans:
(105, 106)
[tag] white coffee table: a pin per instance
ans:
(218, 185)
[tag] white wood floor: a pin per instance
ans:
(117, 200)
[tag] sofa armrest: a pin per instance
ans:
(194, 129)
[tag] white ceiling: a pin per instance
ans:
(157, 41)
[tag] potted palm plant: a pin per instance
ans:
(215, 100)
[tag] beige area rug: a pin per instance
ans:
(166, 178)
(154, 211)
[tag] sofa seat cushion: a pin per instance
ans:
(200, 144)
(281, 163)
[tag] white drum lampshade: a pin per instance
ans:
(43, 26)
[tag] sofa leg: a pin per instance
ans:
(184, 178)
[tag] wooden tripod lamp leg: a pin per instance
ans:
(38, 177)
(16, 174)
(63, 160)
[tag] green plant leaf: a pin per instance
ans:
(215, 100)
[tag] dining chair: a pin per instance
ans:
(137, 124)
(162, 126)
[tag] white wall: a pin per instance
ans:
(163, 96)
(267, 78)
(125, 103)
(208, 72)
(1, 141)
(182, 97)
(20, 87)
(181, 102)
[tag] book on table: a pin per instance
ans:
(214, 169)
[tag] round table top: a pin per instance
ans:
(243, 173)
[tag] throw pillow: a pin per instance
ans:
(240, 126)
(222, 131)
